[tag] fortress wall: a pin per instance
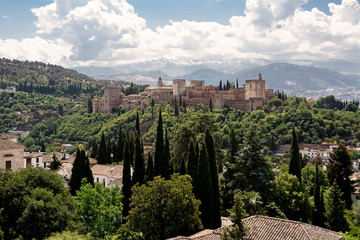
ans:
(243, 105)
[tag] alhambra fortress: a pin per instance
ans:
(252, 96)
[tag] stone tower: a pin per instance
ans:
(160, 82)
(179, 86)
(255, 88)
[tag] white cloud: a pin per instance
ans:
(104, 32)
(5, 17)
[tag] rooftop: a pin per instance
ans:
(268, 228)
(8, 144)
(113, 171)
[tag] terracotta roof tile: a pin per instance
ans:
(115, 171)
(268, 228)
(7, 144)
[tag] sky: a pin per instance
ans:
(111, 32)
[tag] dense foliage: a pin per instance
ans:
(34, 203)
(164, 208)
(99, 208)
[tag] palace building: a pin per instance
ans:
(251, 97)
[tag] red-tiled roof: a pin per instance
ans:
(268, 228)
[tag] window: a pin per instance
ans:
(28, 161)
(37, 160)
(97, 179)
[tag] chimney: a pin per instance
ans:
(260, 78)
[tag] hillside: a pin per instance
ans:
(39, 73)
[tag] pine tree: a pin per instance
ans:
(159, 149)
(192, 160)
(150, 168)
(335, 210)
(339, 171)
(318, 217)
(250, 171)
(126, 181)
(101, 157)
(81, 169)
(139, 165)
(295, 161)
(214, 178)
(203, 190)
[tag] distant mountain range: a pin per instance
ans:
(306, 78)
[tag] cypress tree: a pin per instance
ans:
(214, 178)
(204, 191)
(94, 150)
(150, 168)
(335, 210)
(42, 147)
(295, 161)
(159, 149)
(101, 157)
(318, 217)
(237, 83)
(81, 169)
(109, 148)
(220, 85)
(119, 147)
(55, 163)
(166, 169)
(139, 165)
(132, 150)
(180, 103)
(339, 171)
(192, 161)
(137, 123)
(126, 181)
(211, 105)
(184, 106)
(176, 110)
(182, 167)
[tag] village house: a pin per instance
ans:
(269, 228)
(109, 175)
(252, 96)
(11, 152)
(36, 160)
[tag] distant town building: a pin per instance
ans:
(252, 96)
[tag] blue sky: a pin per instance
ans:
(137, 30)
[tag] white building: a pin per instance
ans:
(109, 175)
(36, 160)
